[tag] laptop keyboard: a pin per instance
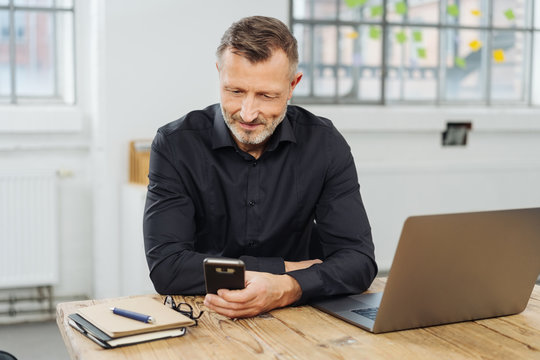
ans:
(370, 313)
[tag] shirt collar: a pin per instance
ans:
(221, 137)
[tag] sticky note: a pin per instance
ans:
(355, 3)
(376, 10)
(510, 14)
(421, 52)
(460, 62)
(452, 10)
(417, 35)
(476, 12)
(401, 8)
(498, 55)
(375, 32)
(475, 45)
(352, 35)
(401, 37)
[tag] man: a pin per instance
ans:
(256, 179)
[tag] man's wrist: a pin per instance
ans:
(292, 290)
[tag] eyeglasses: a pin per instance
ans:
(182, 308)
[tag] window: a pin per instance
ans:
(36, 51)
(477, 52)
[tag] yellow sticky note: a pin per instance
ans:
(352, 35)
(475, 45)
(498, 55)
(476, 12)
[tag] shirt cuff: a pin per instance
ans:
(273, 265)
(310, 283)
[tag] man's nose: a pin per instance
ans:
(249, 111)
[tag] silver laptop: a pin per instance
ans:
(451, 268)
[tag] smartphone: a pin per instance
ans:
(223, 273)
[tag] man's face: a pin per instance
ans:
(254, 96)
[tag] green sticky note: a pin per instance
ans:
(401, 8)
(375, 32)
(401, 37)
(460, 62)
(376, 10)
(355, 3)
(421, 52)
(417, 36)
(510, 14)
(452, 10)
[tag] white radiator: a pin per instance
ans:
(28, 228)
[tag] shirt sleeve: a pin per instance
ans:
(345, 234)
(169, 230)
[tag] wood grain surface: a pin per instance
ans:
(307, 333)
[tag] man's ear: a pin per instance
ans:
(295, 82)
(217, 66)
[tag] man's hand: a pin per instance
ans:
(263, 292)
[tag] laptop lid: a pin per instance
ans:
(458, 267)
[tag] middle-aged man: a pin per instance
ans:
(256, 179)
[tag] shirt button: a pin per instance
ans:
(254, 164)
(251, 203)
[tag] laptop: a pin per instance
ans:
(451, 268)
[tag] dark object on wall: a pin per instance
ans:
(456, 133)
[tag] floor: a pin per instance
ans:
(33, 341)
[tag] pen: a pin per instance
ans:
(133, 315)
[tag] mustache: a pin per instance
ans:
(258, 121)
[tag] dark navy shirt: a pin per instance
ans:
(300, 200)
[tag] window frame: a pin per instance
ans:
(530, 29)
(56, 98)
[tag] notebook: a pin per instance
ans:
(98, 322)
(451, 268)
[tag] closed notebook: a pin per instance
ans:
(115, 326)
(104, 340)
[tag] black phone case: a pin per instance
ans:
(223, 275)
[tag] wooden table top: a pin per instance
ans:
(307, 333)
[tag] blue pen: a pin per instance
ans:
(132, 315)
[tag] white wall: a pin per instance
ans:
(145, 63)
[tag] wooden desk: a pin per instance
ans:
(306, 333)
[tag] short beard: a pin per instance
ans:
(246, 138)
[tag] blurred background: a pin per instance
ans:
(438, 100)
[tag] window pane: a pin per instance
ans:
(467, 13)
(65, 4)
(302, 9)
(535, 81)
(372, 10)
(508, 66)
(360, 54)
(324, 46)
(40, 3)
(417, 11)
(421, 11)
(324, 9)
(64, 57)
(5, 74)
(302, 35)
(34, 53)
(465, 65)
(510, 13)
(412, 58)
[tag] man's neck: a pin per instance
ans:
(255, 150)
